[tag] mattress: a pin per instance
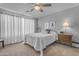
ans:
(40, 40)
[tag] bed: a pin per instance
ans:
(40, 41)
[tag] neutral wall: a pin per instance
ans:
(36, 25)
(0, 25)
(71, 15)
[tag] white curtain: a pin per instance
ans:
(14, 28)
(11, 28)
(29, 26)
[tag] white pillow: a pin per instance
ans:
(53, 32)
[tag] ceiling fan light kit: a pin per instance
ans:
(39, 6)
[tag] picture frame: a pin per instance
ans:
(52, 25)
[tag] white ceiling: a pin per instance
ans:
(22, 7)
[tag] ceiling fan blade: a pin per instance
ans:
(27, 11)
(46, 5)
(42, 4)
(30, 10)
(41, 10)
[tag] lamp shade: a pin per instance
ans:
(66, 24)
(37, 8)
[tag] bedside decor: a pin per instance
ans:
(46, 27)
(66, 25)
(52, 25)
(49, 26)
(48, 30)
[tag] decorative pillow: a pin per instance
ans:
(51, 32)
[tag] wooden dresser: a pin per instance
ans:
(65, 38)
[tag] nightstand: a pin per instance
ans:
(65, 38)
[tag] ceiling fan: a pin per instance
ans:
(39, 6)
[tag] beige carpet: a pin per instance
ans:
(25, 50)
(61, 50)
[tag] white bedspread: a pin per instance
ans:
(39, 40)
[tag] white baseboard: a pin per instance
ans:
(75, 45)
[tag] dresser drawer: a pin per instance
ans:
(66, 39)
